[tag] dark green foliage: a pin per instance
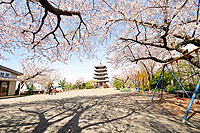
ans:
(187, 75)
(74, 87)
(68, 86)
(183, 71)
(191, 86)
(30, 88)
(167, 79)
(83, 85)
(118, 84)
(62, 83)
(171, 89)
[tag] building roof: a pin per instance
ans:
(100, 70)
(9, 79)
(100, 66)
(100, 77)
(100, 73)
(100, 81)
(10, 70)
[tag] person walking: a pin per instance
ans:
(50, 89)
(54, 91)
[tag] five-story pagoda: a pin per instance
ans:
(101, 75)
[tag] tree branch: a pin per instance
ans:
(188, 39)
(46, 5)
(58, 12)
(64, 35)
(3, 2)
(29, 9)
(144, 43)
(52, 32)
(40, 27)
(152, 58)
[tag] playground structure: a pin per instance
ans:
(162, 84)
(142, 81)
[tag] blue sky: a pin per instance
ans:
(13, 61)
(73, 70)
(84, 69)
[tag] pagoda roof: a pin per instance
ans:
(99, 81)
(104, 69)
(101, 73)
(100, 66)
(100, 77)
(97, 67)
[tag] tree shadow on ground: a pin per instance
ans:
(125, 112)
(182, 104)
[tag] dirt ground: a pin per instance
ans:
(178, 106)
(98, 111)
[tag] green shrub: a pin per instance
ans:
(88, 85)
(118, 84)
(171, 89)
(191, 87)
(167, 79)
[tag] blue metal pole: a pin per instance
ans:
(138, 85)
(179, 83)
(191, 102)
(162, 84)
(158, 82)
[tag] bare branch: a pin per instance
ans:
(13, 9)
(28, 6)
(64, 35)
(143, 43)
(3, 2)
(188, 39)
(56, 39)
(57, 11)
(58, 24)
(52, 32)
(137, 30)
(42, 23)
(36, 74)
(179, 10)
(152, 58)
(114, 9)
(197, 22)
(130, 51)
(77, 29)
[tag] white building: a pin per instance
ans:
(8, 79)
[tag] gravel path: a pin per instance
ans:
(89, 111)
(68, 94)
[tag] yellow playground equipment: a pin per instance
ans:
(142, 80)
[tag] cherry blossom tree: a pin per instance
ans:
(126, 76)
(50, 29)
(146, 27)
(151, 66)
(57, 29)
(37, 73)
(50, 76)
